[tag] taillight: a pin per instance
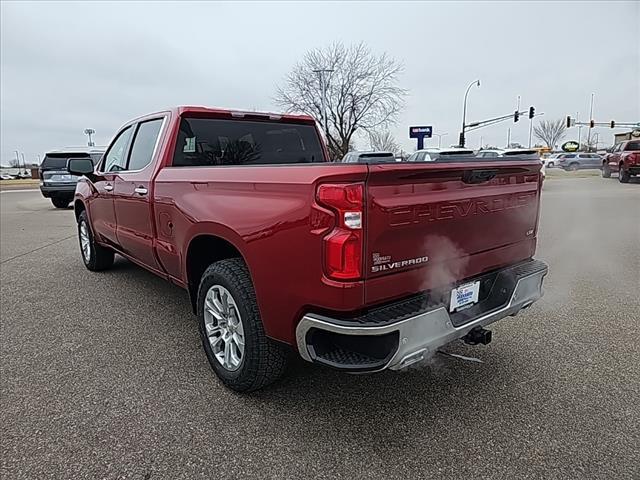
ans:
(343, 245)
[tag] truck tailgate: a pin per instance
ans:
(431, 225)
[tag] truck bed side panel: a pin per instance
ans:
(269, 214)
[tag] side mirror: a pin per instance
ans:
(80, 166)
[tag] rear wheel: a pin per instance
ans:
(573, 167)
(550, 165)
(94, 256)
(233, 337)
(606, 171)
(623, 175)
(60, 202)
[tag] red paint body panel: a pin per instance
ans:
(270, 214)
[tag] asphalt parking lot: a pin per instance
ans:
(102, 375)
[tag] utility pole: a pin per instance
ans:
(590, 120)
(323, 99)
(480, 142)
(530, 130)
(508, 137)
(24, 164)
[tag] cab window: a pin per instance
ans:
(115, 159)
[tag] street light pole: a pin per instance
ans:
(440, 135)
(89, 132)
(464, 110)
(508, 137)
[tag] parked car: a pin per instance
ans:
(511, 152)
(56, 182)
(368, 157)
(359, 266)
(579, 161)
(624, 159)
(6, 176)
(432, 154)
(551, 160)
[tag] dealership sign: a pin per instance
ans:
(570, 146)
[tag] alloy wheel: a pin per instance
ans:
(223, 327)
(85, 242)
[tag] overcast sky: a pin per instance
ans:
(68, 66)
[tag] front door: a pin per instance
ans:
(101, 207)
(132, 195)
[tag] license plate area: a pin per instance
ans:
(464, 296)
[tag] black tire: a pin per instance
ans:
(623, 175)
(60, 202)
(550, 165)
(98, 257)
(263, 360)
(573, 167)
(606, 171)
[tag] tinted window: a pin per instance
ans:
(116, 158)
(632, 146)
(58, 161)
(143, 144)
(568, 156)
(205, 141)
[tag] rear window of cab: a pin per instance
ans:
(220, 142)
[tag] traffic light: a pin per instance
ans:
(568, 122)
(532, 112)
(613, 124)
(516, 116)
(592, 123)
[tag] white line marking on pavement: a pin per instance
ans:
(9, 190)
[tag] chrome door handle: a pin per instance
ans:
(108, 187)
(140, 190)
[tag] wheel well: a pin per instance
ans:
(78, 208)
(203, 251)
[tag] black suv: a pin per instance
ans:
(56, 182)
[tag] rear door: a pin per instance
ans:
(132, 193)
(432, 225)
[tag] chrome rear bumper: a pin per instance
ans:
(417, 337)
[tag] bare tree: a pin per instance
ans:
(550, 131)
(14, 162)
(383, 142)
(362, 92)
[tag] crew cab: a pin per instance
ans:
(623, 159)
(356, 266)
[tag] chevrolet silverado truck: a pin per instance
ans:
(624, 159)
(356, 266)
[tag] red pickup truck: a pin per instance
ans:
(357, 266)
(624, 158)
